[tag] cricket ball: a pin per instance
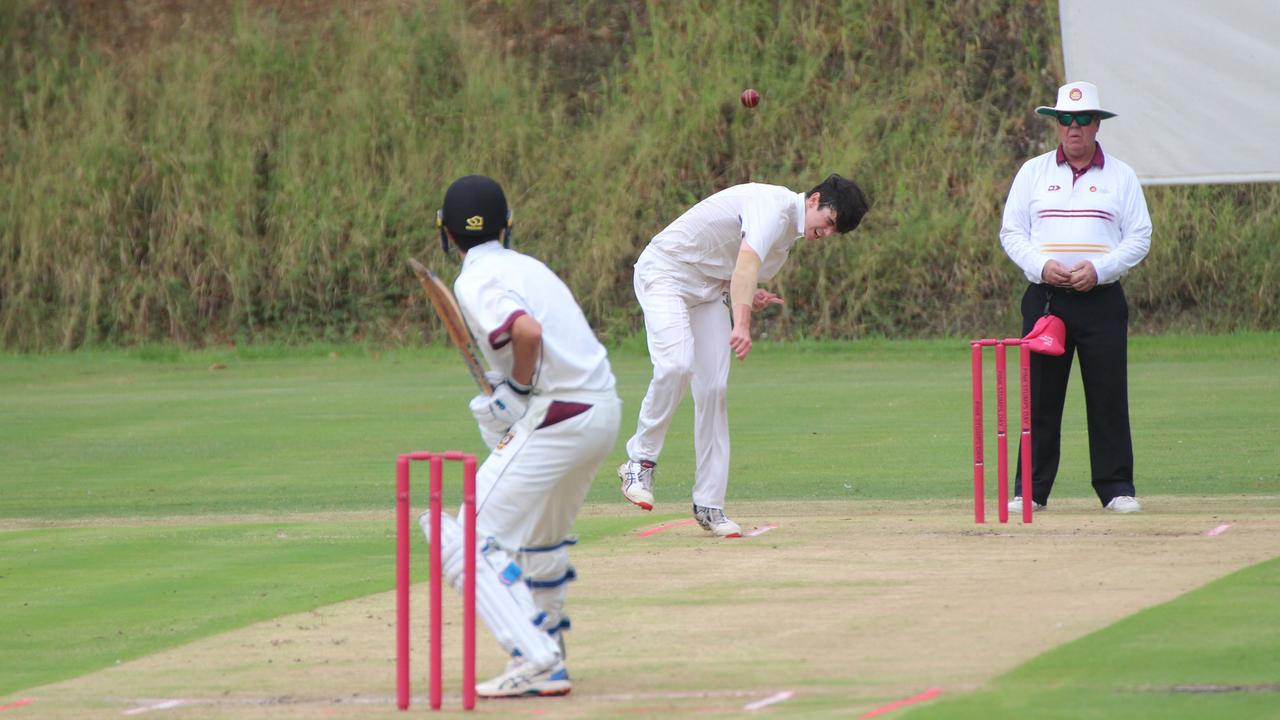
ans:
(750, 98)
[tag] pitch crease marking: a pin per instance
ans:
(771, 700)
(929, 694)
(666, 526)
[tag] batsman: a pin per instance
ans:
(550, 421)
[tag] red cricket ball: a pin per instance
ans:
(750, 98)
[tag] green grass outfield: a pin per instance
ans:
(246, 448)
(1209, 654)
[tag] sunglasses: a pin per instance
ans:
(1082, 119)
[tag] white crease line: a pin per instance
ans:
(760, 530)
(774, 698)
(166, 705)
(1218, 530)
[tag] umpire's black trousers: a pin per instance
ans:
(1097, 325)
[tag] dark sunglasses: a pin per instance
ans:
(1082, 119)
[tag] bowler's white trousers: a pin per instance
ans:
(686, 320)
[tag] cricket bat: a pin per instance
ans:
(451, 317)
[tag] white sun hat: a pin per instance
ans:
(1077, 97)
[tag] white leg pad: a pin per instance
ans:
(502, 600)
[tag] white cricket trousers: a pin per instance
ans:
(530, 488)
(687, 324)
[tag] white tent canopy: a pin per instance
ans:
(1195, 84)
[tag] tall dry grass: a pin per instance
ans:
(198, 175)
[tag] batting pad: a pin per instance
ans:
(502, 601)
(548, 574)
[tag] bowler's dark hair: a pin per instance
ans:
(845, 197)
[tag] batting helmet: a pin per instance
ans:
(475, 211)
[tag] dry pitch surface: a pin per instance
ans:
(840, 609)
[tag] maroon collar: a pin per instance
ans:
(1098, 161)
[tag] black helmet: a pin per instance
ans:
(475, 211)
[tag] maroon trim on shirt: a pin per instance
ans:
(1084, 213)
(1098, 160)
(562, 410)
(499, 338)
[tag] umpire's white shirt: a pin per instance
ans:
(708, 236)
(1100, 217)
(498, 285)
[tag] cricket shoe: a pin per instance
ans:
(637, 482)
(522, 679)
(1123, 504)
(1015, 505)
(714, 521)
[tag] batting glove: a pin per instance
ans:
(496, 378)
(491, 437)
(500, 410)
(491, 428)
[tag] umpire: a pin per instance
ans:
(1075, 222)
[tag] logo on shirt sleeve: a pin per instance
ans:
(1055, 188)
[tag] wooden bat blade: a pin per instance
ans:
(450, 315)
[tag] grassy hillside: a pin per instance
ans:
(174, 172)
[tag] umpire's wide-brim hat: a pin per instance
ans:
(1077, 97)
(1048, 337)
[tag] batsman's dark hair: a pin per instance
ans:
(845, 197)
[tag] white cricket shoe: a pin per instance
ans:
(522, 679)
(1123, 504)
(1015, 506)
(714, 521)
(637, 482)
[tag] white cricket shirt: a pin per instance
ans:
(498, 285)
(1101, 217)
(708, 236)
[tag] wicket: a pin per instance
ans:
(403, 536)
(1002, 430)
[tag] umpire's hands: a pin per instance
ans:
(1055, 273)
(1084, 276)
